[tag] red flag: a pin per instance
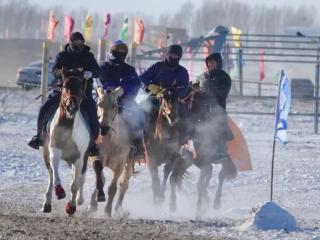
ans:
(53, 23)
(68, 27)
(139, 31)
(262, 76)
(107, 22)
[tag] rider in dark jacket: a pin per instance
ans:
(216, 85)
(169, 74)
(166, 72)
(117, 73)
(75, 55)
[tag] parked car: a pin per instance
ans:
(30, 75)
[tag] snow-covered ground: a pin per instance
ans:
(23, 176)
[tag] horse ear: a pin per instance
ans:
(100, 92)
(118, 92)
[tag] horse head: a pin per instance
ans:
(108, 107)
(72, 91)
(169, 104)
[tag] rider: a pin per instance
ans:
(117, 73)
(168, 73)
(216, 85)
(75, 55)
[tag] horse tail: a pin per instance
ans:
(229, 170)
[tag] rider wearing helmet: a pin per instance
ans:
(75, 55)
(117, 73)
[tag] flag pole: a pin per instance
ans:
(272, 168)
(274, 139)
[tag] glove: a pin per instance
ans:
(154, 89)
(87, 75)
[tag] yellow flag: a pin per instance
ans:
(88, 28)
(236, 32)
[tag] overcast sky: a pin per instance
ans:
(153, 7)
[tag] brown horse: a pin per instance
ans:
(68, 139)
(164, 137)
(115, 151)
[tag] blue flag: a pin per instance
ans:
(282, 108)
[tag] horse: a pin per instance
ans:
(67, 138)
(115, 151)
(209, 126)
(163, 140)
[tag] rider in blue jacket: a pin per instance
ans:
(169, 73)
(117, 73)
(164, 73)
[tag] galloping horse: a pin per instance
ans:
(208, 125)
(67, 138)
(115, 150)
(164, 137)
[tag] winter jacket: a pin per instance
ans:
(123, 75)
(216, 85)
(69, 60)
(165, 76)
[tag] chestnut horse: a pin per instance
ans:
(164, 136)
(67, 138)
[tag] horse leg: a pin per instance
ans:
(124, 183)
(80, 198)
(200, 188)
(113, 189)
(167, 170)
(77, 170)
(55, 155)
(155, 183)
(228, 171)
(173, 197)
(208, 176)
(48, 195)
(98, 169)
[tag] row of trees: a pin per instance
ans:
(21, 19)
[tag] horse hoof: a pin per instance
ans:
(46, 208)
(217, 204)
(93, 208)
(60, 193)
(69, 209)
(101, 197)
(108, 211)
(173, 207)
(80, 201)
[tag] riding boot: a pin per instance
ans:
(36, 141)
(138, 148)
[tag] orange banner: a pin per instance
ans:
(53, 23)
(139, 31)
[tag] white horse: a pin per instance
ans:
(68, 139)
(114, 151)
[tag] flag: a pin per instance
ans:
(262, 76)
(236, 32)
(68, 27)
(282, 108)
(124, 33)
(107, 22)
(53, 23)
(88, 28)
(138, 31)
